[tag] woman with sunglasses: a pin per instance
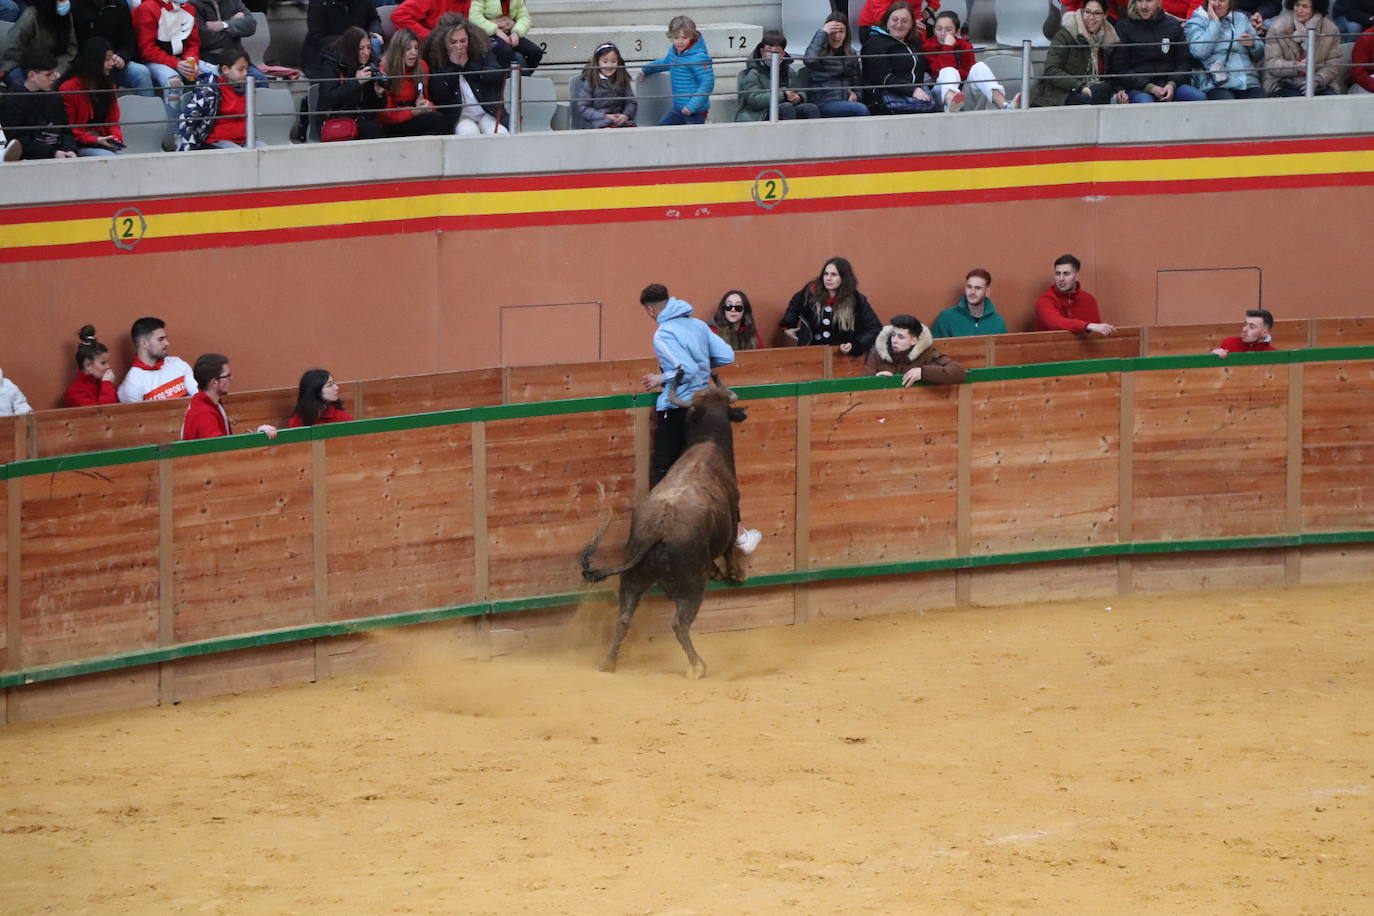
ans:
(734, 322)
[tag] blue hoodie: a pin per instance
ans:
(686, 342)
(692, 82)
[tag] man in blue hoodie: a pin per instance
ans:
(681, 342)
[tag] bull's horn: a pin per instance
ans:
(672, 390)
(715, 379)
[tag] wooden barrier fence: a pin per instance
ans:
(167, 572)
(66, 432)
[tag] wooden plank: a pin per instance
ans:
(394, 397)
(1125, 500)
(1343, 332)
(801, 525)
(397, 529)
(481, 535)
(89, 578)
(1222, 569)
(1293, 484)
(1165, 340)
(242, 541)
(93, 429)
(969, 352)
(245, 670)
(766, 467)
(12, 502)
(551, 481)
(1045, 463)
(166, 583)
(963, 499)
(319, 543)
(1337, 444)
(775, 366)
(1063, 346)
(11, 431)
(853, 599)
(1330, 564)
(1007, 585)
(883, 475)
(1210, 453)
(579, 380)
(88, 695)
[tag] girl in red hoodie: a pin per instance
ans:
(318, 400)
(952, 60)
(94, 382)
(408, 111)
(88, 94)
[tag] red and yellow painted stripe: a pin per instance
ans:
(384, 208)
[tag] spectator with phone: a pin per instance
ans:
(88, 94)
(408, 112)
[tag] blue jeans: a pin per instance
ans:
(9, 11)
(95, 151)
(133, 75)
(1181, 94)
(839, 108)
(675, 118)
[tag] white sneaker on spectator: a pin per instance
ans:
(13, 151)
(748, 540)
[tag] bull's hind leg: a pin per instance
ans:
(630, 593)
(687, 607)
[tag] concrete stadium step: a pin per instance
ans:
(569, 13)
(639, 43)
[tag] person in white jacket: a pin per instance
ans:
(12, 400)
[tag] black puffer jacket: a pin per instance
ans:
(831, 78)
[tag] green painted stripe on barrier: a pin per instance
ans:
(86, 460)
(140, 657)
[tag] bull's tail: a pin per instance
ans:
(589, 574)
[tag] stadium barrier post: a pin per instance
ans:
(250, 139)
(774, 77)
(1310, 85)
(515, 101)
(1025, 72)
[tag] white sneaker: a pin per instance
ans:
(748, 541)
(13, 151)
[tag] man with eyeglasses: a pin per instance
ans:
(205, 416)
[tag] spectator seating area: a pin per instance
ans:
(48, 433)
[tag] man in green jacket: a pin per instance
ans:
(975, 314)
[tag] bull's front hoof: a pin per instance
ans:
(607, 666)
(697, 671)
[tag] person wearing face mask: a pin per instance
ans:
(830, 311)
(45, 26)
(1285, 50)
(168, 41)
(754, 82)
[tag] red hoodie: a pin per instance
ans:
(1236, 345)
(872, 13)
(960, 57)
(232, 123)
(86, 391)
(1056, 311)
(152, 51)
(331, 414)
(81, 112)
(421, 16)
(1362, 60)
(204, 419)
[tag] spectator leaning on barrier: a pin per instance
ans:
(1254, 335)
(891, 66)
(830, 311)
(1362, 64)
(756, 79)
(155, 376)
(421, 16)
(905, 348)
(833, 70)
(1152, 62)
(1224, 42)
(94, 382)
(734, 322)
(1076, 64)
(603, 96)
(1285, 50)
(507, 25)
(690, 71)
(974, 314)
(34, 115)
(12, 400)
(113, 21)
(1066, 306)
(318, 400)
(205, 417)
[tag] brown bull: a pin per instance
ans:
(683, 525)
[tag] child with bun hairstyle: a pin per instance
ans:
(94, 382)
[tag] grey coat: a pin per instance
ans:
(591, 107)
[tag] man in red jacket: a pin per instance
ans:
(1254, 335)
(205, 416)
(1066, 306)
(421, 16)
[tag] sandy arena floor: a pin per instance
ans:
(1196, 754)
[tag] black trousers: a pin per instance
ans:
(670, 441)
